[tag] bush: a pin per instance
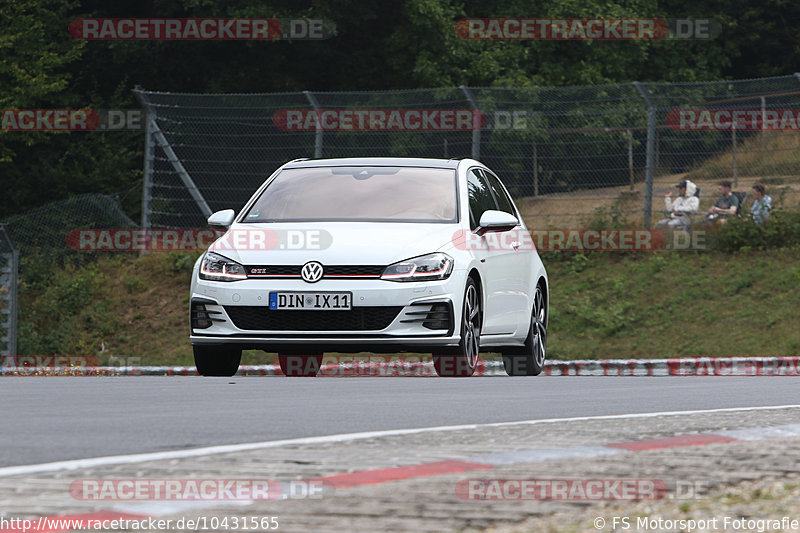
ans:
(781, 230)
(611, 218)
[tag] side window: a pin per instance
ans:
(480, 197)
(503, 201)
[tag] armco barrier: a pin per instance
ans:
(684, 366)
(687, 366)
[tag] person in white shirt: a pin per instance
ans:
(682, 207)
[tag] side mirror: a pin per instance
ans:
(222, 219)
(496, 221)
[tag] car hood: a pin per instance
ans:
(342, 243)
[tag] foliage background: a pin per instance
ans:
(378, 45)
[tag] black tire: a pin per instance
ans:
(461, 361)
(530, 359)
(299, 366)
(217, 360)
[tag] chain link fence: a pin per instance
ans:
(32, 242)
(45, 231)
(563, 151)
(9, 268)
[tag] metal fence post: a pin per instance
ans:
(629, 138)
(535, 170)
(318, 136)
(172, 157)
(147, 175)
(733, 147)
(476, 132)
(651, 141)
(12, 341)
(762, 138)
(155, 135)
(9, 315)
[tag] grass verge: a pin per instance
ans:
(603, 305)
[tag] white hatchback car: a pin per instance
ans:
(373, 255)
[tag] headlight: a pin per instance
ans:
(214, 267)
(423, 268)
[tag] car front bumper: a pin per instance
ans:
(225, 304)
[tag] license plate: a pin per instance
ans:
(311, 301)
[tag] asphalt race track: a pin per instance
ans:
(101, 416)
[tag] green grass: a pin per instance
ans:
(603, 305)
(672, 304)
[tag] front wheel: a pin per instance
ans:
(529, 360)
(464, 359)
(217, 360)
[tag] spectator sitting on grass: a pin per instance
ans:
(762, 204)
(681, 208)
(726, 206)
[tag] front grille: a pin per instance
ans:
(329, 271)
(356, 319)
(353, 270)
(265, 271)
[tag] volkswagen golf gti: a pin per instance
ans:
(372, 255)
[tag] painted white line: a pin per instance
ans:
(544, 454)
(788, 430)
(159, 508)
(345, 437)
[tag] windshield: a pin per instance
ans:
(373, 194)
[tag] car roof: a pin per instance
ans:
(375, 162)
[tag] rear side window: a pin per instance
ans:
(503, 201)
(480, 197)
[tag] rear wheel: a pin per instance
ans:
(216, 360)
(461, 362)
(529, 360)
(299, 365)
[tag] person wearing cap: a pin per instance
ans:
(682, 207)
(727, 205)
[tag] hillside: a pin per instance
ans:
(604, 305)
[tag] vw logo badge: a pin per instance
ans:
(311, 272)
